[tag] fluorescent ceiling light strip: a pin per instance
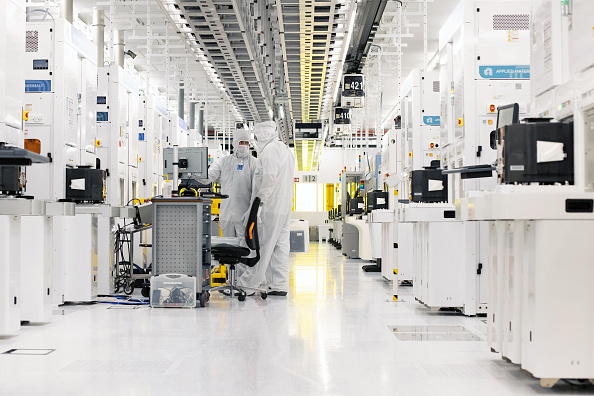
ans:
(345, 49)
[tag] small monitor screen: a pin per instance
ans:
(40, 64)
(193, 162)
(507, 115)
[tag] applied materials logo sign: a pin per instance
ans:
(505, 72)
(431, 120)
(38, 85)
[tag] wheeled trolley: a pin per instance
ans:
(181, 242)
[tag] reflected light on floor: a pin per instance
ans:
(310, 280)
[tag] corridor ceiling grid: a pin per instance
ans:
(223, 32)
(312, 35)
(269, 59)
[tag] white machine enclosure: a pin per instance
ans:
(581, 45)
(81, 257)
(386, 218)
(532, 305)
(61, 101)
(118, 132)
(549, 55)
(117, 136)
(60, 96)
(145, 155)
(532, 232)
(447, 273)
(10, 273)
(36, 269)
(364, 239)
(382, 225)
(484, 63)
(12, 79)
(418, 146)
(405, 252)
(12, 41)
(420, 119)
(547, 352)
(157, 126)
(128, 153)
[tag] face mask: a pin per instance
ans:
(242, 151)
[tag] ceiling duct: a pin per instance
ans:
(369, 18)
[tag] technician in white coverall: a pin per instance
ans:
(236, 174)
(274, 185)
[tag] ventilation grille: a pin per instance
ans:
(32, 41)
(435, 86)
(511, 22)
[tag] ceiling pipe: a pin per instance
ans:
(200, 122)
(181, 102)
(192, 117)
(118, 47)
(98, 26)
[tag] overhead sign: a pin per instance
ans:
(352, 85)
(38, 85)
(505, 72)
(353, 81)
(431, 120)
(342, 116)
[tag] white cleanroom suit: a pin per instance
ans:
(235, 173)
(275, 187)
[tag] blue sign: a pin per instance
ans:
(141, 136)
(505, 72)
(102, 116)
(38, 85)
(431, 120)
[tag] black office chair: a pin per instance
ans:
(231, 255)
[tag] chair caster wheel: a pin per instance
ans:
(146, 291)
(241, 297)
(264, 295)
(203, 299)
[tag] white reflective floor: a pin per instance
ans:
(338, 333)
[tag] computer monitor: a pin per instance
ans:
(507, 115)
(192, 162)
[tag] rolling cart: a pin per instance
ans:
(181, 246)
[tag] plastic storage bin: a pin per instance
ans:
(173, 291)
